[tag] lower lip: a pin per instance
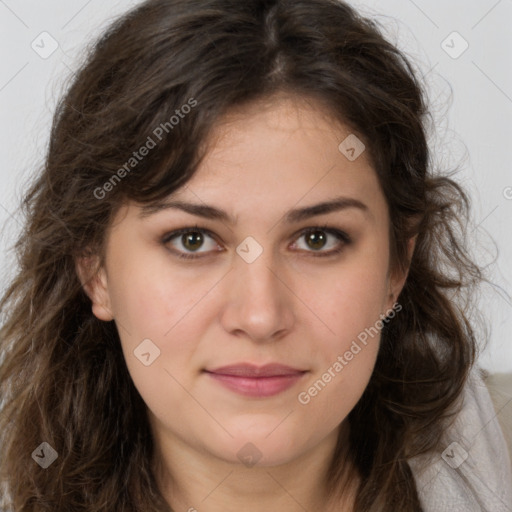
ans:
(257, 386)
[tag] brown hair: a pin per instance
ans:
(63, 378)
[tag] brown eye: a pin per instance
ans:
(186, 242)
(192, 241)
(316, 239)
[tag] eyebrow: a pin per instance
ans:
(293, 216)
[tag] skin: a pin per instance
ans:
(287, 306)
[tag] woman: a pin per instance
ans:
(242, 285)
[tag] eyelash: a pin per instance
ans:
(341, 235)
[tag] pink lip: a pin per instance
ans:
(251, 380)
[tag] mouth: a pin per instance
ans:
(256, 381)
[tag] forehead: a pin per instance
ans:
(283, 128)
(268, 161)
(286, 151)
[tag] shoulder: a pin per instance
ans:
(474, 471)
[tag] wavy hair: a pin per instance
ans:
(63, 378)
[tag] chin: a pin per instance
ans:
(261, 449)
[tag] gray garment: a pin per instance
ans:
(473, 473)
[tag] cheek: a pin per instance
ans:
(354, 301)
(147, 309)
(152, 300)
(346, 359)
(147, 298)
(330, 396)
(352, 304)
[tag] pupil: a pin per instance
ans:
(317, 238)
(192, 237)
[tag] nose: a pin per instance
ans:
(258, 302)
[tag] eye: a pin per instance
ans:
(192, 239)
(316, 238)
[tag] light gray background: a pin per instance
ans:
(471, 96)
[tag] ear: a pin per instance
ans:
(94, 282)
(397, 282)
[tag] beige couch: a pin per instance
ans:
(500, 389)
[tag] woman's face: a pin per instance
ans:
(262, 290)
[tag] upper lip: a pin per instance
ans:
(252, 370)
